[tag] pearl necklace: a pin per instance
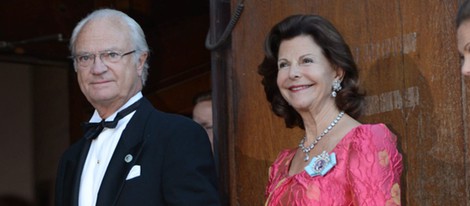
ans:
(306, 150)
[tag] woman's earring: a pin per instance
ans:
(336, 87)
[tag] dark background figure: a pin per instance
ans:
(202, 113)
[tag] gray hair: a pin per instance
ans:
(136, 33)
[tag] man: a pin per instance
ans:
(147, 157)
(202, 113)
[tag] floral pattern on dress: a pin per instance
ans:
(383, 158)
(396, 196)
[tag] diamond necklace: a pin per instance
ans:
(306, 150)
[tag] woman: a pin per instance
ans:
(311, 80)
(463, 36)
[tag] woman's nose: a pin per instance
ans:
(294, 72)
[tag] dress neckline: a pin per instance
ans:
(293, 151)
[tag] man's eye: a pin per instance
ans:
(84, 58)
(112, 55)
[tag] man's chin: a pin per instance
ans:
(101, 98)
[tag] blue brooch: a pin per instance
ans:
(321, 164)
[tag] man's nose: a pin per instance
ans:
(98, 65)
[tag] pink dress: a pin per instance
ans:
(367, 172)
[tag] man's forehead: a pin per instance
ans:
(99, 37)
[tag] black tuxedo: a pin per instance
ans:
(177, 167)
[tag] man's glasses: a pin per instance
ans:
(86, 60)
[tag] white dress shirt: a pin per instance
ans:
(100, 153)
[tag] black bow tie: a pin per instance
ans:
(93, 129)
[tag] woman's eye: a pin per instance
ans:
(307, 61)
(282, 65)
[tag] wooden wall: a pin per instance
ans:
(409, 66)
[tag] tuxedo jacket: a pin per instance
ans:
(175, 159)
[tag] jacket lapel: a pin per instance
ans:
(72, 172)
(130, 145)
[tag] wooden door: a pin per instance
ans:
(409, 66)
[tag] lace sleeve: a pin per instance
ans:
(375, 167)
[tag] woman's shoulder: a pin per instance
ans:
(280, 166)
(379, 129)
(285, 155)
(372, 127)
(378, 135)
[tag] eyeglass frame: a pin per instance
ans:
(100, 54)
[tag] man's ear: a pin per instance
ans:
(142, 59)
